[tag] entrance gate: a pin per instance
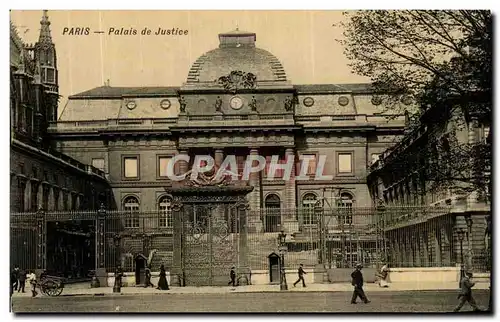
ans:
(211, 237)
(210, 234)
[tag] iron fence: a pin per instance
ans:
(73, 243)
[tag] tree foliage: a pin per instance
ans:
(443, 60)
(415, 52)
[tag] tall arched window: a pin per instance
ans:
(308, 204)
(165, 212)
(131, 207)
(272, 206)
(345, 207)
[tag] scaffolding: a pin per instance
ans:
(344, 238)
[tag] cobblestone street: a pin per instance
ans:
(410, 301)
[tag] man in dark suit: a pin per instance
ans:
(357, 282)
(466, 293)
(13, 281)
(22, 281)
(232, 275)
(15, 275)
(301, 273)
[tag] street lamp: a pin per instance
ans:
(282, 248)
(118, 269)
(461, 235)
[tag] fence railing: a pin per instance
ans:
(67, 242)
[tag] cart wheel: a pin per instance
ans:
(50, 288)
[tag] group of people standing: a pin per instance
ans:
(18, 278)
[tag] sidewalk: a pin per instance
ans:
(84, 289)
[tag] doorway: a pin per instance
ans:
(274, 268)
(140, 269)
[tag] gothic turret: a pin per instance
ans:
(45, 79)
(45, 56)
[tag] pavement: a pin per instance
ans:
(84, 289)
(382, 301)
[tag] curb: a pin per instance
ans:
(247, 292)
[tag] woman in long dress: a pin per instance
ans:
(383, 276)
(162, 283)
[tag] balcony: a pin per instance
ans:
(354, 120)
(110, 125)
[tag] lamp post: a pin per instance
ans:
(282, 248)
(461, 235)
(118, 270)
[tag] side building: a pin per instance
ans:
(435, 216)
(43, 180)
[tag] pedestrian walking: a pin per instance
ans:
(147, 282)
(232, 276)
(357, 282)
(162, 283)
(301, 273)
(32, 280)
(22, 281)
(465, 294)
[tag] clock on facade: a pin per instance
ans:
(236, 102)
(131, 105)
(165, 104)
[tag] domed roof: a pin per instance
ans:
(236, 52)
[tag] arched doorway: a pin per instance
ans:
(272, 220)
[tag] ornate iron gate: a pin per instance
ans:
(210, 243)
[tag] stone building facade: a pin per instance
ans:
(435, 225)
(41, 178)
(237, 100)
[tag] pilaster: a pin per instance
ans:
(254, 221)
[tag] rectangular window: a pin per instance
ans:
(311, 169)
(50, 75)
(278, 174)
(98, 163)
(240, 161)
(163, 166)
(345, 162)
(483, 132)
(130, 167)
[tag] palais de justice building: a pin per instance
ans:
(236, 100)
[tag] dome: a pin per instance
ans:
(236, 52)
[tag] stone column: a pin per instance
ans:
(40, 196)
(100, 240)
(254, 221)
(77, 206)
(41, 241)
(27, 196)
(219, 157)
(288, 218)
(244, 276)
(177, 272)
(183, 165)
